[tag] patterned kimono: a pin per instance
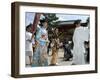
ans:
(55, 49)
(40, 57)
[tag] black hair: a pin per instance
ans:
(42, 21)
(77, 22)
(28, 26)
(87, 21)
(86, 42)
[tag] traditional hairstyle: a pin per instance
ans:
(42, 21)
(77, 21)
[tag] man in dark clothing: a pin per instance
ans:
(67, 51)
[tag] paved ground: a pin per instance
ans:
(60, 58)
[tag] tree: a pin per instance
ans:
(52, 23)
(52, 20)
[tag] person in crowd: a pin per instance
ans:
(55, 47)
(79, 37)
(54, 53)
(28, 44)
(40, 56)
(67, 50)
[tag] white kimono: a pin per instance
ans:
(81, 34)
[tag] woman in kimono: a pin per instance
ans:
(79, 38)
(55, 47)
(40, 56)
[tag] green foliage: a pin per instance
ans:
(52, 20)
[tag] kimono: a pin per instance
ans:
(55, 48)
(40, 57)
(81, 35)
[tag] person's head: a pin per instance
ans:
(88, 22)
(56, 30)
(29, 27)
(77, 23)
(44, 23)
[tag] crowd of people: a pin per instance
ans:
(38, 44)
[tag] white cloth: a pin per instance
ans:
(80, 35)
(86, 33)
(28, 43)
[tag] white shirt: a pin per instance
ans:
(28, 42)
